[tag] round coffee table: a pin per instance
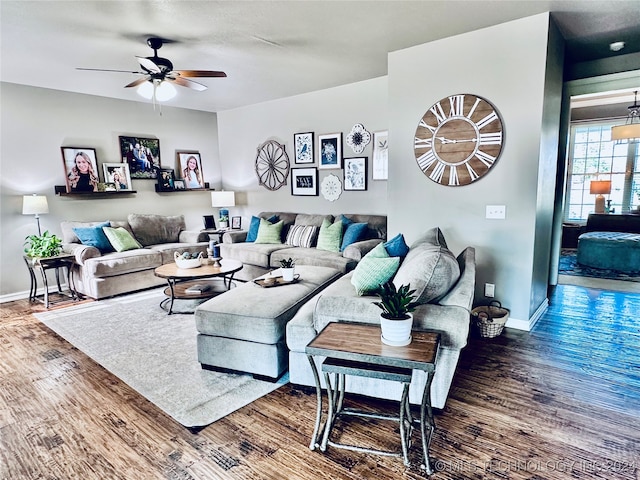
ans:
(181, 280)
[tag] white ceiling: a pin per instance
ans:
(269, 49)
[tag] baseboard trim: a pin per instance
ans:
(527, 325)
(12, 297)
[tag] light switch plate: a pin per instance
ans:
(496, 212)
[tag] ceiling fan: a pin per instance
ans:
(157, 69)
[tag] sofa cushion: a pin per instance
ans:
(94, 237)
(430, 269)
(302, 236)
(153, 229)
(269, 232)
(313, 256)
(316, 220)
(397, 247)
(352, 234)
(119, 263)
(257, 254)
(167, 249)
(120, 239)
(330, 236)
(375, 268)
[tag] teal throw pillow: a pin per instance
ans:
(252, 234)
(354, 233)
(330, 236)
(121, 239)
(269, 232)
(397, 247)
(94, 237)
(375, 269)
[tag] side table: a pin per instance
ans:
(356, 349)
(42, 264)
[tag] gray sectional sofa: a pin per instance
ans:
(259, 259)
(98, 274)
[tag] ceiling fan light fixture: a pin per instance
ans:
(160, 90)
(630, 131)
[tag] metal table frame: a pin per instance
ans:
(47, 263)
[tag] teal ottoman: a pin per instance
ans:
(610, 250)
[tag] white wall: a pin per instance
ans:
(242, 130)
(505, 64)
(36, 122)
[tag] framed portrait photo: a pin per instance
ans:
(303, 144)
(190, 168)
(118, 174)
(80, 169)
(166, 179)
(355, 173)
(304, 181)
(178, 185)
(380, 155)
(142, 155)
(236, 223)
(330, 150)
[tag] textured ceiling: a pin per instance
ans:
(269, 49)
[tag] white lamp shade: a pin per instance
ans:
(626, 132)
(223, 199)
(163, 91)
(34, 204)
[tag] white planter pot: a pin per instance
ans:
(224, 225)
(287, 274)
(396, 333)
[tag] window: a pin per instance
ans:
(593, 156)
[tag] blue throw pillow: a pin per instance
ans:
(254, 226)
(94, 237)
(345, 222)
(397, 247)
(354, 233)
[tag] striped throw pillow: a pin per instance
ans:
(269, 233)
(302, 236)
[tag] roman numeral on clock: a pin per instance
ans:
(426, 160)
(487, 120)
(453, 175)
(423, 142)
(456, 104)
(438, 171)
(426, 125)
(485, 158)
(438, 112)
(490, 138)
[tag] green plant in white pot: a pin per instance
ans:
(288, 269)
(42, 246)
(396, 319)
(224, 221)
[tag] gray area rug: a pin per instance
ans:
(155, 354)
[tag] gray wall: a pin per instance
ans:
(505, 64)
(36, 122)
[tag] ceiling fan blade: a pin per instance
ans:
(105, 70)
(140, 81)
(199, 73)
(187, 83)
(149, 65)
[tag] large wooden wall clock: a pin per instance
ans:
(458, 140)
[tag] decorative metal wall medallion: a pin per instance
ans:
(358, 138)
(331, 187)
(272, 165)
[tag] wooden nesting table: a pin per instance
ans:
(356, 349)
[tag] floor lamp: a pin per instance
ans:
(35, 205)
(600, 188)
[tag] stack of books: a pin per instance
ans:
(198, 288)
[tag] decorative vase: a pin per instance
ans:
(396, 332)
(288, 274)
(224, 225)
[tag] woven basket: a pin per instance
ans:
(489, 320)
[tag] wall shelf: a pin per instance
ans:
(62, 191)
(205, 189)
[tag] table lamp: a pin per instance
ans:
(600, 188)
(221, 200)
(35, 205)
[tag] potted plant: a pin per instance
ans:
(287, 266)
(224, 221)
(396, 319)
(42, 246)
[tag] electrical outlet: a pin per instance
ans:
(496, 212)
(489, 290)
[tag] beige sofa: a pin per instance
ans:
(99, 275)
(259, 259)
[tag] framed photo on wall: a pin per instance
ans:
(304, 181)
(380, 155)
(303, 145)
(118, 174)
(166, 179)
(80, 169)
(355, 173)
(330, 150)
(142, 155)
(190, 167)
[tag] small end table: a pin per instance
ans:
(42, 264)
(356, 349)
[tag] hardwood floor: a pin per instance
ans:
(560, 402)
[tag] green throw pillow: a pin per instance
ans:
(121, 239)
(375, 268)
(268, 232)
(330, 236)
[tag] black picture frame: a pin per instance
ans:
(166, 179)
(355, 174)
(330, 151)
(303, 147)
(304, 181)
(142, 155)
(236, 223)
(77, 179)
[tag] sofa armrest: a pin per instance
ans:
(234, 237)
(192, 236)
(357, 250)
(462, 293)
(81, 252)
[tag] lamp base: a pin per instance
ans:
(599, 204)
